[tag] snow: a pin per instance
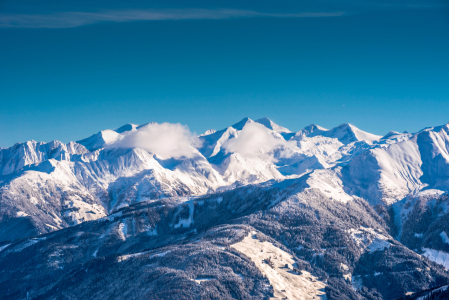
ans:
(200, 280)
(128, 256)
(330, 184)
(271, 125)
(4, 247)
(368, 239)
(34, 200)
(113, 216)
(344, 267)
(444, 237)
(208, 132)
(21, 214)
(343, 163)
(126, 127)
(123, 230)
(100, 140)
(440, 257)
(285, 282)
(403, 208)
(160, 254)
(84, 211)
(185, 223)
(378, 245)
(443, 288)
(121, 205)
(28, 243)
(345, 133)
(52, 227)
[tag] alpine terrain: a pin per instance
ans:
(252, 211)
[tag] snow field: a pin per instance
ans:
(285, 282)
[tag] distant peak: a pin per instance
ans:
(347, 133)
(390, 134)
(127, 127)
(346, 125)
(243, 122)
(266, 122)
(264, 119)
(208, 132)
(271, 125)
(313, 127)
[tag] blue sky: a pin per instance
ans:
(70, 70)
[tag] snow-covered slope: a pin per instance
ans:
(388, 172)
(345, 133)
(46, 186)
(20, 155)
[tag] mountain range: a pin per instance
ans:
(152, 211)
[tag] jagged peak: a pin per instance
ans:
(208, 132)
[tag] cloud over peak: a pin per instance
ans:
(165, 140)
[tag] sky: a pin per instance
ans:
(69, 70)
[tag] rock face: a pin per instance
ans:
(129, 213)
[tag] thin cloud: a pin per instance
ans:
(76, 19)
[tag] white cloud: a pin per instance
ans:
(165, 140)
(75, 19)
(255, 139)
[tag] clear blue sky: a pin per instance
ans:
(70, 70)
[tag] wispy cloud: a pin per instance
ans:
(76, 19)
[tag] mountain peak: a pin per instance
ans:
(126, 127)
(346, 126)
(242, 123)
(313, 128)
(348, 133)
(271, 125)
(99, 140)
(208, 132)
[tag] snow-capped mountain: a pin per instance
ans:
(56, 185)
(372, 188)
